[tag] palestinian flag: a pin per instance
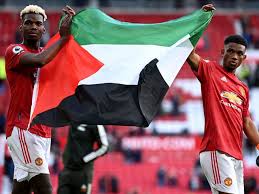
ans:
(113, 72)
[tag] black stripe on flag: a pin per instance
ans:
(111, 104)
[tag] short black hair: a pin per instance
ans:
(236, 39)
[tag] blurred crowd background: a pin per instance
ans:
(162, 158)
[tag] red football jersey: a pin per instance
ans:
(225, 103)
(21, 81)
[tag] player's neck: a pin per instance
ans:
(32, 44)
(228, 70)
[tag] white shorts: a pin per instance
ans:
(30, 154)
(223, 172)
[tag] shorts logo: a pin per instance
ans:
(228, 182)
(83, 188)
(39, 161)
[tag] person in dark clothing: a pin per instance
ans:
(79, 156)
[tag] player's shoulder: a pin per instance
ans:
(246, 88)
(208, 64)
(14, 49)
(208, 61)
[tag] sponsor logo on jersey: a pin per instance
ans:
(38, 161)
(232, 97)
(228, 182)
(17, 49)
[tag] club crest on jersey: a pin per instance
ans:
(232, 97)
(242, 90)
(228, 182)
(17, 49)
(38, 161)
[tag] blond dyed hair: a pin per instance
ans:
(33, 9)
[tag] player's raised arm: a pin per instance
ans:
(44, 57)
(194, 59)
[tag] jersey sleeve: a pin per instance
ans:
(203, 70)
(12, 56)
(246, 112)
(102, 149)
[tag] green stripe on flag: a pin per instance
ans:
(92, 26)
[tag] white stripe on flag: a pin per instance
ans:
(129, 60)
(170, 64)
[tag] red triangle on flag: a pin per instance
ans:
(72, 64)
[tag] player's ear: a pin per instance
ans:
(44, 30)
(222, 52)
(244, 57)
